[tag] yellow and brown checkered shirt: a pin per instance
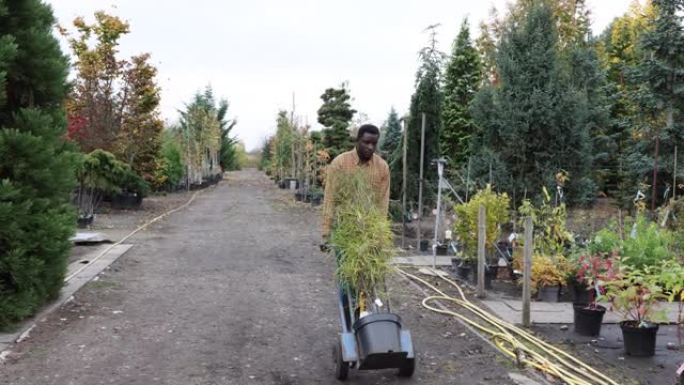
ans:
(377, 171)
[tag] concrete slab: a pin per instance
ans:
(554, 313)
(79, 274)
(84, 237)
(421, 260)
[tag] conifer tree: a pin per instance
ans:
(462, 80)
(36, 167)
(335, 115)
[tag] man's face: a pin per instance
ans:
(366, 146)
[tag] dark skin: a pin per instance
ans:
(366, 145)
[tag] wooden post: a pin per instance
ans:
(420, 179)
(403, 186)
(481, 239)
(527, 272)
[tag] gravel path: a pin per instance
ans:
(231, 290)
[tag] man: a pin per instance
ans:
(361, 159)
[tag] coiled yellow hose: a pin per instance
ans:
(516, 343)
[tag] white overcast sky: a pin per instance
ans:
(257, 53)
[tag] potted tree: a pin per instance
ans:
(593, 272)
(636, 295)
(97, 174)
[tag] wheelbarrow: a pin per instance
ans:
(371, 340)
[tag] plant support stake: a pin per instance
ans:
(440, 174)
(527, 271)
(481, 239)
(420, 179)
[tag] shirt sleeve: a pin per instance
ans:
(385, 190)
(328, 200)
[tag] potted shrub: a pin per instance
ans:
(97, 174)
(636, 295)
(466, 226)
(547, 277)
(671, 277)
(133, 189)
(593, 272)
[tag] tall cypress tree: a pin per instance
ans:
(36, 170)
(335, 115)
(391, 148)
(462, 80)
(662, 70)
(427, 99)
(534, 122)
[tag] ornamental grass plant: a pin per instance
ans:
(361, 236)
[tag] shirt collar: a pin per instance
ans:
(357, 160)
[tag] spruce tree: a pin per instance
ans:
(461, 81)
(36, 167)
(427, 99)
(335, 115)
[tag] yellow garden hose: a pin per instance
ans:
(514, 342)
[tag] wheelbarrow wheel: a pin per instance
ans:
(407, 369)
(341, 367)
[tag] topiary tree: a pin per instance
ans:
(36, 166)
(335, 115)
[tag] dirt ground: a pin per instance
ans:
(231, 290)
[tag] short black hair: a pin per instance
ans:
(367, 129)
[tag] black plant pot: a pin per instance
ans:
(588, 320)
(639, 342)
(464, 270)
(548, 293)
(84, 222)
(282, 184)
(299, 196)
(581, 294)
(442, 249)
(424, 245)
(127, 201)
(490, 274)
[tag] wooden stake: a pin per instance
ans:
(481, 239)
(527, 272)
(420, 179)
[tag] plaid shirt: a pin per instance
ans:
(377, 171)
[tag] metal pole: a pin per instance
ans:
(403, 187)
(440, 173)
(481, 239)
(674, 177)
(420, 179)
(527, 271)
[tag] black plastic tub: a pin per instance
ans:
(379, 339)
(639, 342)
(463, 271)
(442, 249)
(127, 201)
(588, 320)
(580, 293)
(548, 293)
(424, 245)
(84, 222)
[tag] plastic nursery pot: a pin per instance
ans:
(378, 333)
(463, 270)
(639, 341)
(580, 293)
(84, 222)
(588, 319)
(127, 201)
(490, 274)
(424, 245)
(548, 293)
(442, 249)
